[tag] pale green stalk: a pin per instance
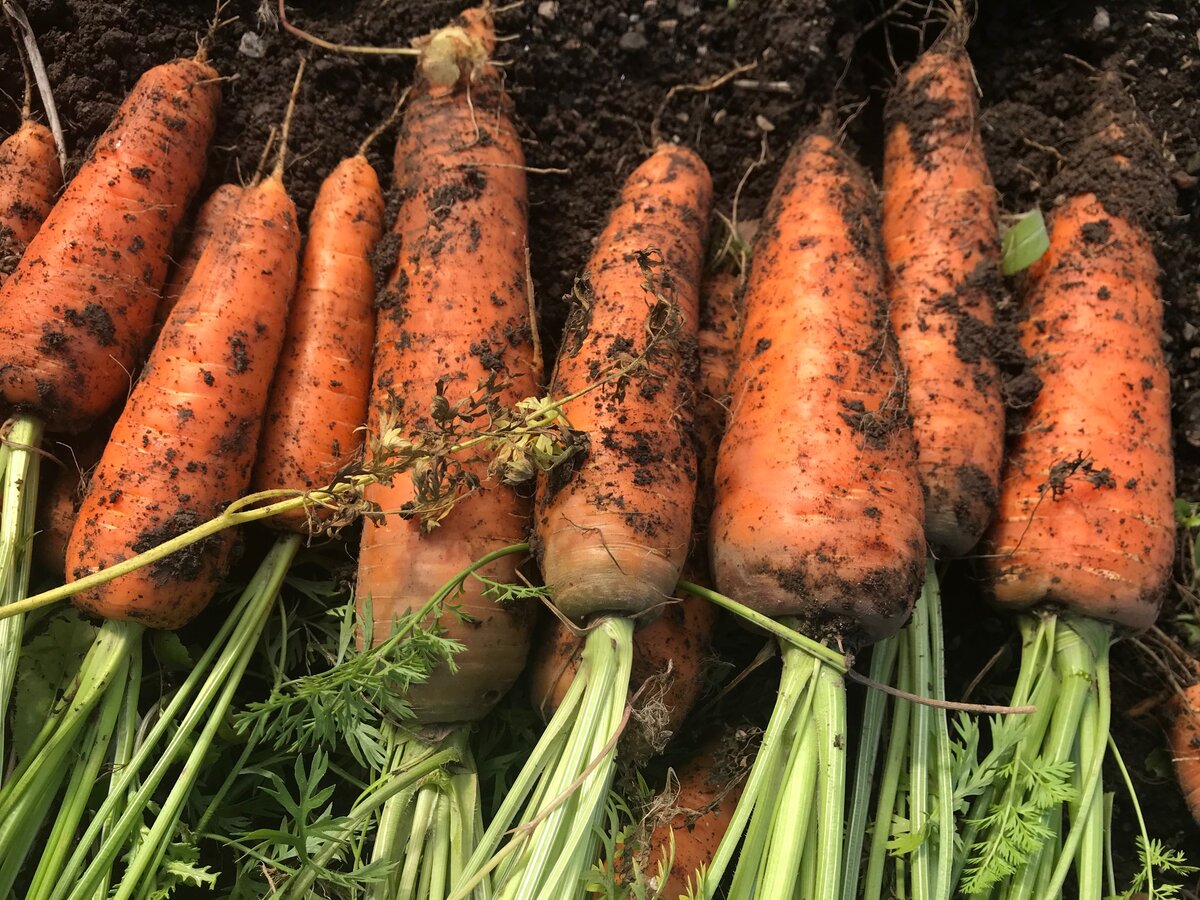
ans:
(231, 649)
(20, 462)
(123, 750)
(883, 664)
(829, 713)
(889, 785)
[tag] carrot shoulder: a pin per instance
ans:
(819, 509)
(75, 313)
(318, 402)
(941, 238)
(612, 534)
(186, 441)
(30, 178)
(1086, 516)
(455, 309)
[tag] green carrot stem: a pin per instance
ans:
(889, 785)
(883, 665)
(220, 665)
(20, 462)
(829, 713)
(298, 885)
(95, 747)
(931, 600)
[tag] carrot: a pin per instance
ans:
(208, 220)
(677, 640)
(1184, 741)
(613, 532)
(454, 310)
(672, 649)
(30, 177)
(453, 323)
(74, 313)
(839, 546)
(941, 240)
(1084, 532)
(186, 441)
(61, 495)
(1086, 510)
(709, 789)
(942, 243)
(319, 399)
(818, 514)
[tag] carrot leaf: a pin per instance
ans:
(1024, 243)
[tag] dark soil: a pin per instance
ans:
(589, 79)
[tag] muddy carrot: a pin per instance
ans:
(30, 178)
(1184, 741)
(818, 516)
(208, 220)
(941, 238)
(1084, 533)
(61, 494)
(186, 441)
(453, 321)
(75, 312)
(612, 530)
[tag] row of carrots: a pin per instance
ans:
(799, 437)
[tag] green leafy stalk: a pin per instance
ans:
(118, 823)
(790, 819)
(19, 463)
(1040, 818)
(563, 785)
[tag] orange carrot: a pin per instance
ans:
(1184, 740)
(208, 221)
(709, 789)
(454, 313)
(941, 238)
(319, 398)
(75, 312)
(818, 510)
(613, 535)
(1086, 517)
(186, 441)
(30, 178)
(62, 492)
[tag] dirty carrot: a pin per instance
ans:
(613, 529)
(30, 179)
(1084, 536)
(1184, 741)
(941, 239)
(182, 447)
(942, 242)
(75, 312)
(452, 326)
(818, 516)
(62, 491)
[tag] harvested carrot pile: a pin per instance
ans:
(670, 449)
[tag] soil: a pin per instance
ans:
(591, 79)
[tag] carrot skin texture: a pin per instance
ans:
(30, 178)
(1102, 546)
(612, 536)
(319, 398)
(455, 308)
(75, 313)
(819, 510)
(186, 441)
(62, 491)
(942, 243)
(209, 216)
